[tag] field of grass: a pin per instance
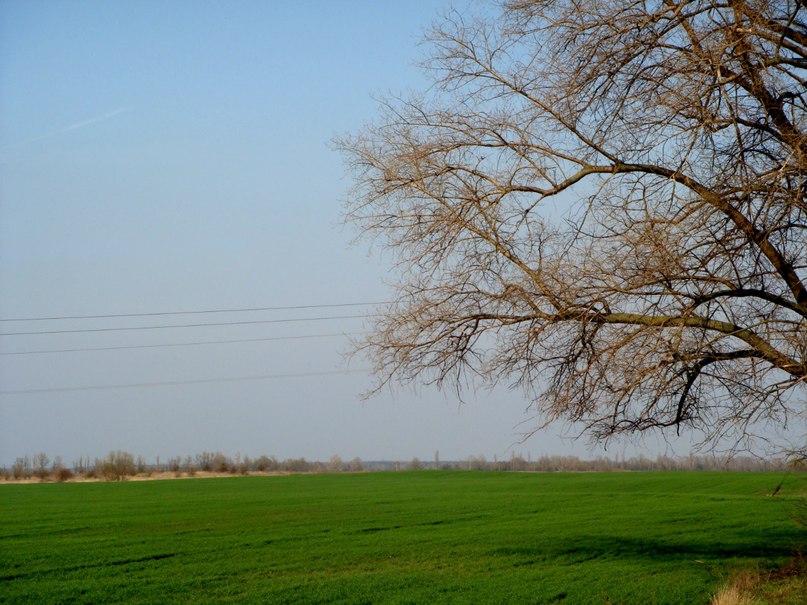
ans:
(414, 537)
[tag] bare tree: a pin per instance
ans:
(40, 463)
(602, 202)
(21, 469)
(117, 466)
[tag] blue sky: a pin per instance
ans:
(175, 156)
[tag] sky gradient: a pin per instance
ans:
(158, 157)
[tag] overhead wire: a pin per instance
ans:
(196, 325)
(137, 385)
(194, 312)
(182, 344)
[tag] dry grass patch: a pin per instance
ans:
(786, 585)
(739, 592)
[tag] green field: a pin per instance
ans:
(415, 537)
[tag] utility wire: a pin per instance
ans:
(138, 385)
(181, 344)
(199, 325)
(198, 312)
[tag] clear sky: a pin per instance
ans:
(175, 156)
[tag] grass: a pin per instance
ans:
(419, 537)
(785, 585)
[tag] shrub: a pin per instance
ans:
(264, 464)
(21, 469)
(62, 474)
(117, 466)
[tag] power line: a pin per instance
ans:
(197, 312)
(138, 385)
(180, 344)
(198, 325)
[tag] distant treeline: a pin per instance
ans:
(118, 466)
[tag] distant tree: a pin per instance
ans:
(117, 466)
(476, 463)
(296, 465)
(21, 469)
(175, 464)
(265, 464)
(604, 203)
(80, 466)
(59, 471)
(204, 461)
(41, 465)
(221, 463)
(516, 463)
(336, 465)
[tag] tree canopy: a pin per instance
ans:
(604, 203)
